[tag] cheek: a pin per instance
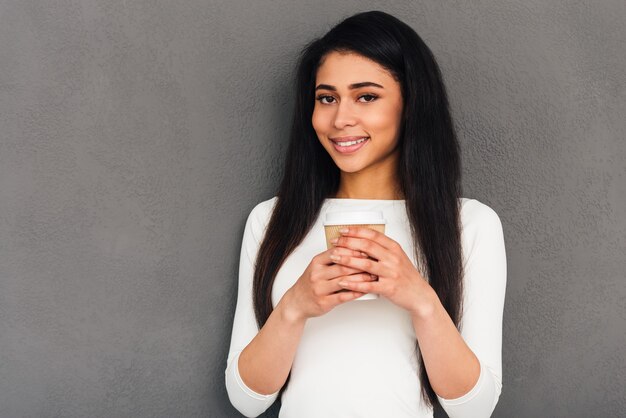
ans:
(386, 119)
(381, 120)
(317, 120)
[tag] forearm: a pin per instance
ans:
(265, 363)
(452, 367)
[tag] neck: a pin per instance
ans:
(363, 186)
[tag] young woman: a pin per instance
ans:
(371, 131)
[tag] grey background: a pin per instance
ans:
(135, 137)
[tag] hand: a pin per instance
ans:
(398, 279)
(318, 291)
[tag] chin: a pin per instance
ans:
(349, 168)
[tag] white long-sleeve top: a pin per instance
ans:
(359, 359)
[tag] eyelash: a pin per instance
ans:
(323, 96)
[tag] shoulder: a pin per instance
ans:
(484, 252)
(478, 219)
(263, 209)
(474, 212)
(259, 217)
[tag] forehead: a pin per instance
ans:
(349, 67)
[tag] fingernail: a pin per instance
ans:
(334, 257)
(344, 230)
(334, 240)
(342, 283)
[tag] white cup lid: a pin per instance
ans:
(355, 218)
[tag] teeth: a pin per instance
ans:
(347, 144)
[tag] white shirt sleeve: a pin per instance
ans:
(244, 399)
(483, 304)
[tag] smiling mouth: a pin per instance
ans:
(350, 146)
(348, 143)
(342, 140)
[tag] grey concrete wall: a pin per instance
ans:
(136, 136)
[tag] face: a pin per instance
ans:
(356, 99)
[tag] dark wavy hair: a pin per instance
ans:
(428, 170)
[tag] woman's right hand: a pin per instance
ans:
(317, 291)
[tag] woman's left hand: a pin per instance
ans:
(398, 279)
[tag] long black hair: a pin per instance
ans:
(428, 169)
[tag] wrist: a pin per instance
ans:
(288, 311)
(427, 307)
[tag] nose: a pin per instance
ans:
(345, 115)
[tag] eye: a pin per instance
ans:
(321, 98)
(371, 97)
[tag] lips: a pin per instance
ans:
(347, 138)
(349, 149)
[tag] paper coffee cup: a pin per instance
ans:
(337, 220)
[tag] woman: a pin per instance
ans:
(371, 131)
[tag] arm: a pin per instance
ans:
(464, 369)
(467, 374)
(265, 363)
(255, 375)
(258, 361)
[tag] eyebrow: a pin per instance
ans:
(351, 86)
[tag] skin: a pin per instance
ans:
(366, 111)
(363, 260)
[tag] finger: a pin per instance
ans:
(345, 296)
(363, 287)
(376, 236)
(338, 270)
(362, 264)
(365, 245)
(348, 251)
(361, 277)
(341, 251)
(332, 286)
